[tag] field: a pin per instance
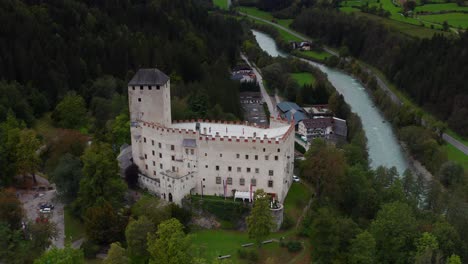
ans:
(298, 196)
(456, 155)
(458, 20)
(455, 20)
(303, 78)
(223, 4)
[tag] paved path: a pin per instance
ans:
(265, 95)
(457, 144)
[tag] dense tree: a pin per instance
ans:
(66, 255)
(426, 248)
(152, 208)
(9, 137)
(116, 255)
(451, 174)
(136, 235)
(41, 235)
(103, 224)
(71, 112)
(324, 167)
(121, 129)
(67, 176)
(394, 230)
(362, 249)
(169, 245)
(260, 221)
(28, 161)
(100, 181)
(11, 209)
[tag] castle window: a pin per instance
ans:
(217, 168)
(238, 169)
(186, 151)
(241, 181)
(139, 99)
(146, 166)
(158, 87)
(153, 152)
(152, 142)
(192, 152)
(146, 156)
(256, 157)
(248, 169)
(206, 154)
(188, 165)
(270, 183)
(279, 150)
(159, 145)
(150, 87)
(172, 147)
(229, 181)
(266, 157)
(161, 166)
(229, 168)
(154, 163)
(144, 139)
(246, 156)
(173, 169)
(237, 155)
(173, 157)
(206, 166)
(276, 157)
(160, 155)
(263, 149)
(257, 170)
(218, 180)
(154, 173)
(141, 87)
(220, 155)
(133, 88)
(270, 173)
(253, 182)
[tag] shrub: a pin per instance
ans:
(90, 249)
(253, 255)
(294, 246)
(288, 222)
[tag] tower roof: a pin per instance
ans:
(149, 77)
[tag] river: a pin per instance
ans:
(383, 146)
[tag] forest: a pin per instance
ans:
(431, 71)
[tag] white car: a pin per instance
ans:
(296, 179)
(45, 210)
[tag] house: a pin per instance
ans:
(243, 73)
(328, 128)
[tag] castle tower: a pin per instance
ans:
(149, 96)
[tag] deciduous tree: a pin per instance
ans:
(67, 176)
(117, 255)
(28, 160)
(136, 235)
(103, 224)
(66, 255)
(260, 221)
(169, 245)
(362, 249)
(71, 112)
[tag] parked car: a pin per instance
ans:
(296, 179)
(45, 211)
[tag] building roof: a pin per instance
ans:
(149, 77)
(298, 116)
(318, 122)
(340, 127)
(235, 130)
(287, 106)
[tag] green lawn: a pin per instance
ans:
(441, 7)
(210, 244)
(348, 9)
(303, 78)
(320, 55)
(223, 4)
(456, 155)
(453, 19)
(74, 229)
(297, 198)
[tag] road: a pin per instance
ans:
(459, 145)
(265, 95)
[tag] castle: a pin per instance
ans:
(200, 156)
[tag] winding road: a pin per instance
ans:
(449, 139)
